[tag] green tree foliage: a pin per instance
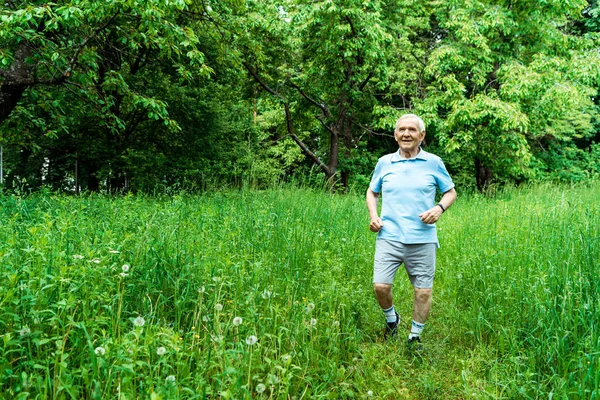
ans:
(147, 94)
(89, 73)
(507, 77)
(324, 63)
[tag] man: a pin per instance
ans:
(408, 180)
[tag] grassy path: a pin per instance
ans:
(268, 295)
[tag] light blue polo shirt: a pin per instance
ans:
(408, 188)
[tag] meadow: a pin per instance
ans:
(268, 295)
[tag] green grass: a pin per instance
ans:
(514, 312)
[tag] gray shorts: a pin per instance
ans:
(418, 259)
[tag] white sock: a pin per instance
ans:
(390, 314)
(416, 329)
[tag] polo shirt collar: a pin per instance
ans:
(422, 155)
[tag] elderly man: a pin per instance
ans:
(408, 180)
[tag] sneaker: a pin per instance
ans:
(415, 344)
(391, 329)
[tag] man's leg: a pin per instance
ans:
(421, 270)
(387, 261)
(383, 293)
(422, 304)
(421, 308)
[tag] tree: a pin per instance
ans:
(325, 62)
(506, 76)
(80, 69)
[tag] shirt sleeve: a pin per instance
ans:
(376, 179)
(442, 178)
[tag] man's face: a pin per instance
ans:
(407, 134)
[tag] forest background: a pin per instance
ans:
(163, 95)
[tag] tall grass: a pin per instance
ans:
(268, 295)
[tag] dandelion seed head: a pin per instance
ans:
(78, 257)
(201, 289)
(100, 351)
(313, 322)
(205, 318)
(216, 278)
(139, 321)
(237, 321)
(285, 358)
(260, 388)
(161, 350)
(336, 323)
(125, 267)
(171, 378)
(25, 331)
(251, 340)
(218, 306)
(370, 393)
(310, 307)
(266, 294)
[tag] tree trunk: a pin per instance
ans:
(16, 80)
(483, 175)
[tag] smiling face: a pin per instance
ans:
(408, 136)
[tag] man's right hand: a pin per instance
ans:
(376, 224)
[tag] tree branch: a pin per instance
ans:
(367, 79)
(304, 147)
(288, 119)
(73, 63)
(322, 106)
(262, 83)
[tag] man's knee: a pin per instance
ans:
(423, 295)
(382, 289)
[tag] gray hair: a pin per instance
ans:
(420, 123)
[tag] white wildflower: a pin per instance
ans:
(250, 340)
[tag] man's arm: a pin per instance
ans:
(372, 199)
(433, 214)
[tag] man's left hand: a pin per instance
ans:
(432, 215)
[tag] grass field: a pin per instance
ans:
(251, 294)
